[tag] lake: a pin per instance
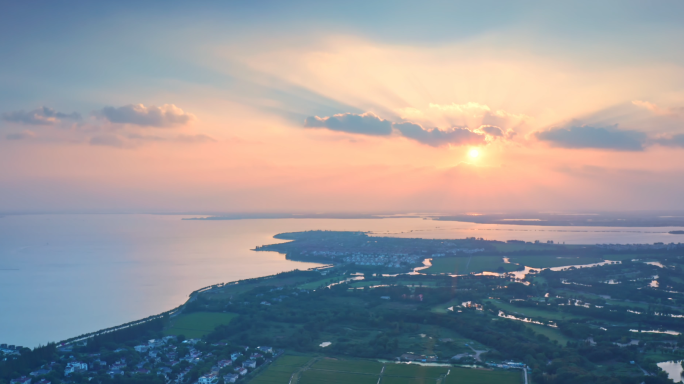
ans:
(64, 275)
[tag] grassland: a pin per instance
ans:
(480, 376)
(549, 261)
(320, 283)
(464, 265)
(281, 370)
(198, 324)
(551, 333)
(532, 312)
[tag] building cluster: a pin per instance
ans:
(9, 351)
(156, 357)
(641, 247)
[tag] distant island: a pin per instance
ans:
(676, 232)
(604, 219)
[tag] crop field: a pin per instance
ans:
(198, 324)
(312, 376)
(414, 371)
(481, 376)
(355, 366)
(464, 265)
(281, 370)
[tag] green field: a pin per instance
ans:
(549, 261)
(331, 377)
(198, 324)
(481, 376)
(510, 309)
(281, 370)
(355, 366)
(414, 370)
(465, 265)
(551, 333)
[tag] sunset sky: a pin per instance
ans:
(357, 106)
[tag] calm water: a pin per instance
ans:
(64, 275)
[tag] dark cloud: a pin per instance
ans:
(107, 141)
(167, 115)
(673, 141)
(492, 130)
(437, 137)
(20, 135)
(365, 124)
(39, 116)
(594, 137)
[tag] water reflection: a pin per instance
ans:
(673, 368)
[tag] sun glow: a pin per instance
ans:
(474, 153)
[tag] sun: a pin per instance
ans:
(474, 153)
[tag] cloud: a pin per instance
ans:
(656, 109)
(167, 115)
(39, 116)
(492, 130)
(672, 141)
(436, 137)
(20, 135)
(107, 141)
(365, 124)
(476, 109)
(200, 138)
(594, 137)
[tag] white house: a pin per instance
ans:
(230, 378)
(241, 371)
(141, 348)
(249, 364)
(265, 349)
(225, 363)
(75, 366)
(210, 378)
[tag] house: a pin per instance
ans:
(21, 380)
(119, 350)
(141, 348)
(265, 349)
(39, 372)
(241, 371)
(235, 355)
(143, 371)
(169, 338)
(225, 363)
(255, 356)
(115, 371)
(164, 371)
(75, 366)
(43, 381)
(230, 378)
(210, 378)
(249, 364)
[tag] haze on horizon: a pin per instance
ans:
(386, 106)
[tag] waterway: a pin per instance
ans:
(65, 275)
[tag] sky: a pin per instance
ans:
(354, 106)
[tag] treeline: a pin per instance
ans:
(127, 334)
(29, 359)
